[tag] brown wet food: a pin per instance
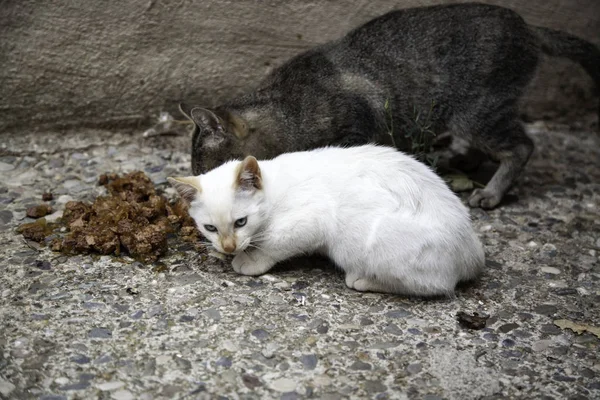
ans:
(133, 219)
(36, 231)
(39, 211)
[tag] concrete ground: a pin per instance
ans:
(89, 327)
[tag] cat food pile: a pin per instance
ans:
(133, 219)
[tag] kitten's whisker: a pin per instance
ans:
(255, 246)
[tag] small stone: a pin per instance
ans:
(366, 321)
(550, 270)
(4, 167)
(545, 309)
(122, 395)
(6, 387)
(155, 310)
(213, 314)
(508, 327)
(393, 329)
(251, 381)
(43, 265)
(549, 250)
(64, 199)
(594, 386)
(183, 364)
(100, 333)
(76, 386)
(47, 196)
(89, 305)
(137, 315)
(565, 291)
(563, 378)
(54, 217)
(512, 353)
(283, 285)
(269, 350)
(284, 385)
(6, 216)
(108, 386)
(71, 183)
(400, 313)
(61, 380)
(587, 373)
(80, 359)
(230, 346)
(550, 329)
(373, 387)
(289, 396)
(309, 361)
(299, 285)
(103, 359)
(224, 362)
(414, 368)
(523, 316)
(52, 397)
(86, 377)
(360, 366)
(521, 333)
(260, 334)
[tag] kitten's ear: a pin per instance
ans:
(187, 187)
(248, 175)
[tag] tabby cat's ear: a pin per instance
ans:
(235, 123)
(186, 110)
(206, 119)
(248, 175)
(187, 187)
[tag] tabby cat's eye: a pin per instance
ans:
(210, 228)
(240, 222)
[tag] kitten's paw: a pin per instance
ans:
(239, 261)
(484, 199)
(350, 279)
(251, 264)
(367, 285)
(255, 269)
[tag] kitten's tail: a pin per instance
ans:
(560, 44)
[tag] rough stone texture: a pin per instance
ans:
(121, 62)
(99, 328)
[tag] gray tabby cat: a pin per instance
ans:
(471, 62)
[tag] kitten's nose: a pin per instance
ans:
(228, 244)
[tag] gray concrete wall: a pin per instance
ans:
(114, 62)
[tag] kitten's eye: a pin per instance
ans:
(240, 222)
(210, 228)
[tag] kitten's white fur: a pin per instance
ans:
(386, 219)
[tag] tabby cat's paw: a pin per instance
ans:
(484, 199)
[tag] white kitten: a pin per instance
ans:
(386, 219)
